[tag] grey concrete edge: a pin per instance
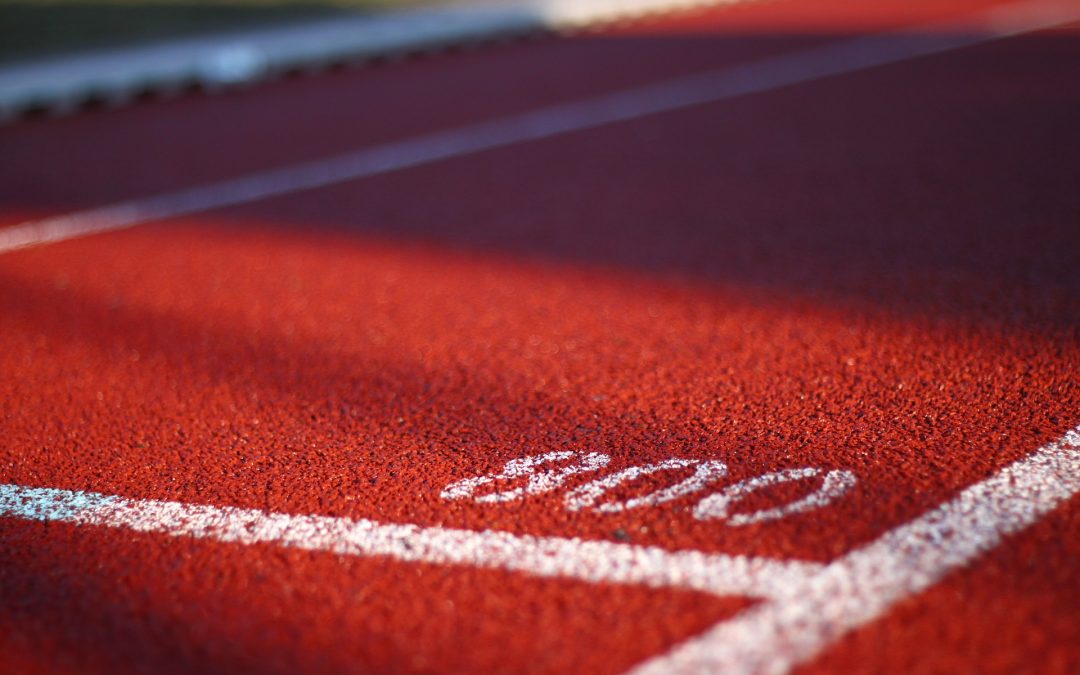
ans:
(63, 84)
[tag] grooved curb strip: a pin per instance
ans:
(63, 84)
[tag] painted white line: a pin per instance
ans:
(807, 605)
(814, 611)
(787, 69)
(62, 83)
(592, 561)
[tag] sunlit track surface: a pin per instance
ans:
(808, 605)
(739, 340)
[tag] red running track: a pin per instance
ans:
(872, 273)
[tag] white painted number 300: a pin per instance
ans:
(717, 506)
(539, 482)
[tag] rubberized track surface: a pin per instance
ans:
(872, 275)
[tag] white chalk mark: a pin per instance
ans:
(812, 612)
(588, 494)
(591, 561)
(834, 486)
(807, 65)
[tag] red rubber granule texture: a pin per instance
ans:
(875, 272)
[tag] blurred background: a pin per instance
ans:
(35, 28)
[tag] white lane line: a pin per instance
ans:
(808, 605)
(592, 561)
(772, 73)
(814, 611)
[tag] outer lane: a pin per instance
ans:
(99, 158)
